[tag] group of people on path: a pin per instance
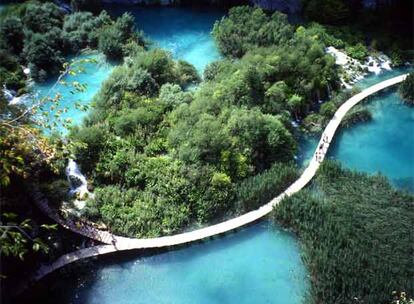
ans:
(320, 152)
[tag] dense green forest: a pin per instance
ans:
(40, 36)
(356, 233)
(162, 158)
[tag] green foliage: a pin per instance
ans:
(11, 31)
(180, 158)
(42, 18)
(39, 35)
(358, 51)
(188, 73)
(406, 89)
(328, 109)
(11, 74)
(315, 122)
(81, 29)
(357, 114)
(16, 240)
(113, 38)
(347, 218)
(258, 190)
(56, 192)
(246, 28)
(90, 141)
(40, 50)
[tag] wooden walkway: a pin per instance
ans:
(123, 243)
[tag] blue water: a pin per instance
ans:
(260, 264)
(93, 76)
(384, 145)
(184, 32)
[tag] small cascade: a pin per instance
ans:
(375, 65)
(9, 94)
(12, 98)
(354, 70)
(78, 184)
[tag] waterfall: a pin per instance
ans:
(11, 97)
(375, 65)
(355, 70)
(9, 94)
(78, 182)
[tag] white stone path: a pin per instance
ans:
(123, 243)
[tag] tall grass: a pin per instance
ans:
(357, 234)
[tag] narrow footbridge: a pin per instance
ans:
(117, 243)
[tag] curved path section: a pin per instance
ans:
(123, 243)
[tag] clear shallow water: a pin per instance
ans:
(93, 76)
(259, 264)
(184, 32)
(385, 144)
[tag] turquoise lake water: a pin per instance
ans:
(385, 144)
(184, 32)
(259, 264)
(93, 76)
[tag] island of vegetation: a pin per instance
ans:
(162, 158)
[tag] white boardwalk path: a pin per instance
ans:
(123, 243)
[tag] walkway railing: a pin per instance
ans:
(123, 243)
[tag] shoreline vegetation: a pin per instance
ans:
(406, 90)
(161, 158)
(356, 234)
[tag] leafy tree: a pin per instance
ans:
(81, 29)
(41, 53)
(358, 51)
(11, 31)
(16, 239)
(42, 18)
(257, 30)
(112, 38)
(11, 74)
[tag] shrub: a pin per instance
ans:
(258, 190)
(406, 89)
(246, 28)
